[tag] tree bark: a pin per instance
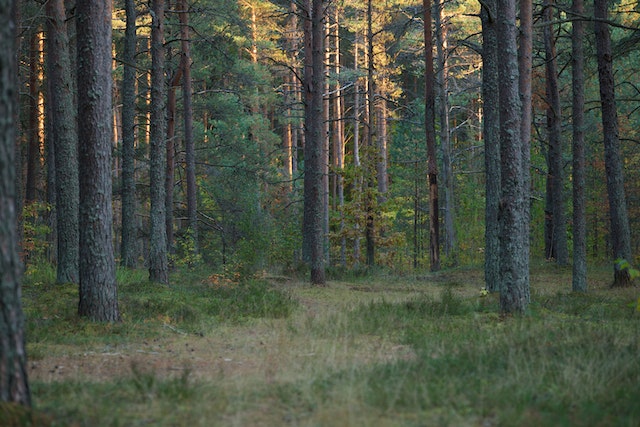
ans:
(558, 237)
(445, 141)
(169, 179)
(579, 276)
(98, 290)
(491, 131)
(525, 70)
(430, 131)
(313, 180)
(190, 155)
(33, 148)
(371, 152)
(514, 261)
(129, 225)
(14, 386)
(158, 262)
(620, 232)
(65, 141)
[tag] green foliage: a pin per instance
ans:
(185, 254)
(36, 230)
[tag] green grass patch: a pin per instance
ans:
(364, 351)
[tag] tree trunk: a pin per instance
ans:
(357, 181)
(491, 131)
(129, 226)
(445, 141)
(14, 386)
(430, 131)
(313, 180)
(554, 131)
(579, 279)
(98, 290)
(525, 67)
(190, 157)
(158, 262)
(65, 141)
(169, 180)
(514, 261)
(338, 108)
(371, 151)
(620, 233)
(33, 148)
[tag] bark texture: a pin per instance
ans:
(65, 141)
(558, 230)
(620, 232)
(514, 237)
(579, 277)
(491, 131)
(190, 150)
(98, 290)
(158, 259)
(14, 385)
(313, 180)
(129, 227)
(430, 131)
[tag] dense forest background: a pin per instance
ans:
(234, 143)
(235, 150)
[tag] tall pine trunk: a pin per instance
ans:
(65, 141)
(525, 71)
(620, 233)
(313, 180)
(98, 289)
(558, 229)
(579, 279)
(14, 385)
(514, 261)
(129, 226)
(158, 262)
(491, 132)
(430, 131)
(442, 79)
(190, 151)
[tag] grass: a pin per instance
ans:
(372, 350)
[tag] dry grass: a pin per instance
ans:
(376, 351)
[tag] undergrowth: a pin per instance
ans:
(572, 360)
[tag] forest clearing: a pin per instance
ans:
(377, 350)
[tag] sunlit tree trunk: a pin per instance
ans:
(98, 289)
(63, 124)
(339, 132)
(14, 385)
(579, 277)
(357, 164)
(430, 131)
(558, 237)
(491, 132)
(620, 232)
(514, 261)
(158, 262)
(33, 147)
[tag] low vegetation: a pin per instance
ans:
(368, 350)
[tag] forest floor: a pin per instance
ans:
(369, 351)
